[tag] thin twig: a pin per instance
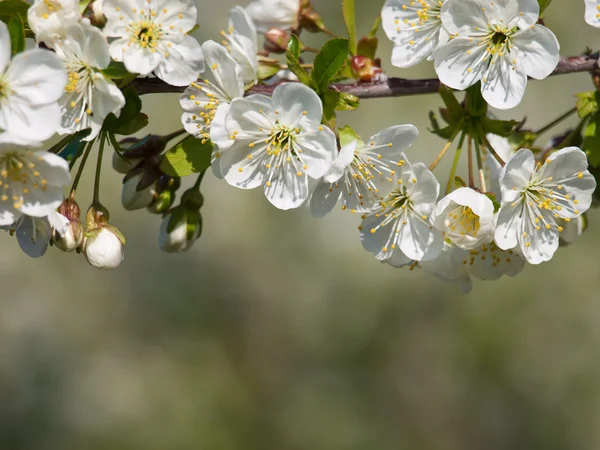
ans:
(392, 87)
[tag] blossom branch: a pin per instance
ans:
(392, 87)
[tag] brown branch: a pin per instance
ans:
(393, 87)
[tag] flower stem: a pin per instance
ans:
(455, 163)
(470, 161)
(480, 166)
(487, 144)
(556, 121)
(86, 153)
(99, 169)
(199, 180)
(444, 150)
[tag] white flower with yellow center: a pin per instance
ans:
(30, 85)
(535, 197)
(363, 174)
(466, 217)
(277, 143)
(498, 43)
(280, 14)
(152, 37)
(31, 182)
(592, 12)
(415, 28)
(206, 102)
(398, 230)
(241, 41)
(48, 19)
(89, 96)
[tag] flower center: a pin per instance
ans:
(146, 33)
(464, 221)
(17, 176)
(498, 39)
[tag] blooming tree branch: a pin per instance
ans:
(392, 87)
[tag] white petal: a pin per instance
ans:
(40, 203)
(411, 48)
(139, 60)
(4, 47)
(459, 63)
(465, 16)
(95, 50)
(293, 99)
(343, 160)
(288, 190)
(400, 137)
(30, 122)
(323, 199)
(53, 168)
(319, 150)
(592, 15)
(422, 187)
(504, 85)
(507, 226)
(515, 175)
(184, 63)
(38, 76)
(420, 241)
(33, 236)
(538, 51)
(225, 71)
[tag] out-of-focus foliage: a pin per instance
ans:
(279, 332)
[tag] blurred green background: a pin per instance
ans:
(277, 331)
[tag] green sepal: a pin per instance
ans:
(591, 140)
(492, 197)
(459, 183)
(587, 103)
(187, 157)
(367, 47)
(16, 29)
(347, 135)
(543, 6)
(454, 112)
(115, 70)
(474, 102)
(266, 71)
(375, 26)
(502, 128)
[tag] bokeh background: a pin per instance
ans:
(277, 331)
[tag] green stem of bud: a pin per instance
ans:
(470, 161)
(86, 153)
(199, 180)
(480, 166)
(445, 149)
(455, 163)
(556, 122)
(99, 169)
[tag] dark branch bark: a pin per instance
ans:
(393, 87)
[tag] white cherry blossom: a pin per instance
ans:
(536, 198)
(415, 28)
(103, 248)
(592, 12)
(89, 96)
(31, 182)
(48, 19)
(205, 103)
(363, 174)
(30, 86)
(466, 217)
(281, 14)
(277, 143)
(498, 43)
(152, 37)
(398, 230)
(241, 42)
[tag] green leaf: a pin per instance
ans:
(328, 62)
(367, 47)
(16, 30)
(591, 140)
(348, 135)
(459, 182)
(350, 20)
(543, 5)
(587, 104)
(115, 70)
(186, 158)
(292, 57)
(133, 126)
(74, 148)
(375, 27)
(129, 112)
(12, 8)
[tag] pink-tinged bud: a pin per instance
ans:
(134, 199)
(276, 40)
(366, 69)
(67, 230)
(103, 247)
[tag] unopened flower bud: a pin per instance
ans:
(122, 164)
(98, 18)
(134, 199)
(67, 230)
(276, 40)
(179, 230)
(103, 247)
(366, 69)
(311, 21)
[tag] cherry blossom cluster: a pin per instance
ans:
(260, 122)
